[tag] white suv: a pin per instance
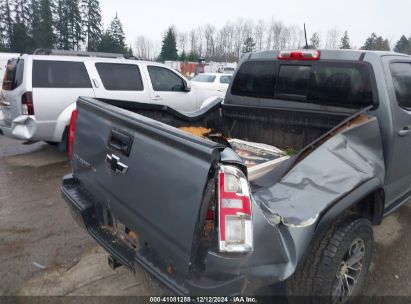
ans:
(40, 91)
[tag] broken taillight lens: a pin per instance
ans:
(71, 132)
(234, 211)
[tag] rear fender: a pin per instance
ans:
(328, 181)
(348, 202)
(63, 120)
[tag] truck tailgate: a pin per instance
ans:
(149, 175)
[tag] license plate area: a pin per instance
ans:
(7, 114)
(121, 232)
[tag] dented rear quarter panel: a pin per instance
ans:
(350, 161)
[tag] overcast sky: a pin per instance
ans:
(360, 18)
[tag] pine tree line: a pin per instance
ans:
(64, 24)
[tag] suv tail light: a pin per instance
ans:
(27, 107)
(71, 131)
(234, 206)
(299, 55)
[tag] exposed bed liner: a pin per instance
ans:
(257, 157)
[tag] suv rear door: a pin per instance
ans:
(56, 85)
(13, 89)
(118, 81)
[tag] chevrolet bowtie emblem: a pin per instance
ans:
(114, 162)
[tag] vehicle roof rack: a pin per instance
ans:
(82, 54)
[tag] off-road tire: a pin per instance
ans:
(314, 280)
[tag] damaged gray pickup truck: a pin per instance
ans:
(280, 182)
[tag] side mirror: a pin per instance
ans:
(187, 86)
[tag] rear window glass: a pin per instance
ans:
(401, 75)
(344, 84)
(204, 78)
(225, 79)
(13, 76)
(255, 79)
(120, 77)
(293, 79)
(60, 74)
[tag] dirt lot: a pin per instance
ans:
(43, 252)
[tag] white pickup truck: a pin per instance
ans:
(40, 91)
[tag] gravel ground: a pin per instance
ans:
(43, 252)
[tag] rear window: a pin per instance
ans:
(255, 79)
(13, 76)
(204, 78)
(293, 79)
(345, 84)
(401, 75)
(60, 74)
(120, 77)
(225, 79)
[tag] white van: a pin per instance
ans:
(4, 58)
(40, 91)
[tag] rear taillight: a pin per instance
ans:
(299, 55)
(27, 106)
(234, 211)
(71, 133)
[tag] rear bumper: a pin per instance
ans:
(26, 127)
(82, 208)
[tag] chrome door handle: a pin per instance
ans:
(95, 83)
(405, 131)
(156, 98)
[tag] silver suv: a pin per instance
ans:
(40, 91)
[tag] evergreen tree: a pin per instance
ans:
(6, 24)
(8, 21)
(62, 25)
(35, 21)
(75, 32)
(22, 10)
(345, 41)
(91, 14)
(192, 56)
(20, 40)
(69, 27)
(169, 47)
(2, 26)
(403, 45)
(249, 45)
(107, 43)
(377, 43)
(43, 34)
(113, 39)
(116, 32)
(130, 51)
(183, 56)
(315, 40)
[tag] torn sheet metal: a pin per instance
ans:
(23, 127)
(335, 168)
